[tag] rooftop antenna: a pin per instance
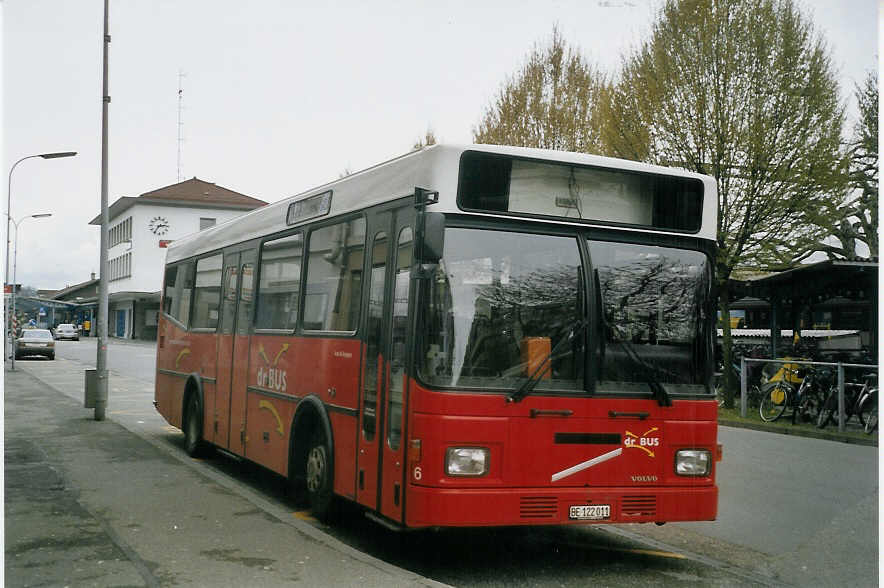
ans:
(181, 76)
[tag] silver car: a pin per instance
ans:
(67, 331)
(35, 342)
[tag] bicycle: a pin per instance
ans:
(869, 407)
(805, 401)
(854, 393)
(867, 403)
(753, 393)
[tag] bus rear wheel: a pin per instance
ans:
(319, 478)
(193, 428)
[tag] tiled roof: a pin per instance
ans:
(193, 192)
(196, 190)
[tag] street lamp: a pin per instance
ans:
(14, 268)
(54, 155)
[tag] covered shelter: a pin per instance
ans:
(831, 294)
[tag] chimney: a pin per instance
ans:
(93, 276)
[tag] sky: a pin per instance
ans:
(278, 95)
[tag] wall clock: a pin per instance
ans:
(158, 225)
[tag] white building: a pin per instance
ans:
(140, 230)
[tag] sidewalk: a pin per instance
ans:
(93, 504)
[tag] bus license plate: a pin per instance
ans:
(591, 512)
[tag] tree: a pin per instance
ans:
(744, 91)
(864, 164)
(850, 217)
(549, 104)
(428, 139)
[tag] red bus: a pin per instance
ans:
(462, 336)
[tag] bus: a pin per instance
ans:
(463, 336)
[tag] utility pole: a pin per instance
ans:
(101, 358)
(180, 120)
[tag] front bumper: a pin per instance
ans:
(434, 507)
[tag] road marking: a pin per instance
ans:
(304, 515)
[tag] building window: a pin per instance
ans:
(120, 267)
(205, 223)
(120, 233)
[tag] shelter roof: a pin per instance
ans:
(67, 291)
(820, 281)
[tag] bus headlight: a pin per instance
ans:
(692, 462)
(466, 461)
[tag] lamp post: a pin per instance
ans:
(15, 268)
(54, 155)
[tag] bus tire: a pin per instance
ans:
(193, 427)
(319, 477)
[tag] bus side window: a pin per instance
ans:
(399, 335)
(246, 298)
(170, 297)
(207, 293)
(374, 333)
(279, 283)
(178, 289)
(185, 279)
(334, 276)
(228, 305)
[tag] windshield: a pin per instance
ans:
(498, 304)
(654, 306)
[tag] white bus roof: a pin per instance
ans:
(434, 168)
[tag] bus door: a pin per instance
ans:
(380, 479)
(374, 340)
(233, 348)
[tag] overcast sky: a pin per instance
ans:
(279, 96)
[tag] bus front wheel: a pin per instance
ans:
(319, 478)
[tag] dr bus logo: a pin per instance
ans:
(643, 442)
(271, 377)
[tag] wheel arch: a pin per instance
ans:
(310, 415)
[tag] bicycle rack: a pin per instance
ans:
(840, 366)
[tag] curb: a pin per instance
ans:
(871, 441)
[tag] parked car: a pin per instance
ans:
(35, 342)
(67, 331)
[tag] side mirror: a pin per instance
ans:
(433, 237)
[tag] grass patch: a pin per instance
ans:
(784, 425)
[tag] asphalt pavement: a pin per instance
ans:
(92, 503)
(120, 503)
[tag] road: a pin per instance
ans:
(792, 510)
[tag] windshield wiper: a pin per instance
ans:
(528, 385)
(649, 372)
